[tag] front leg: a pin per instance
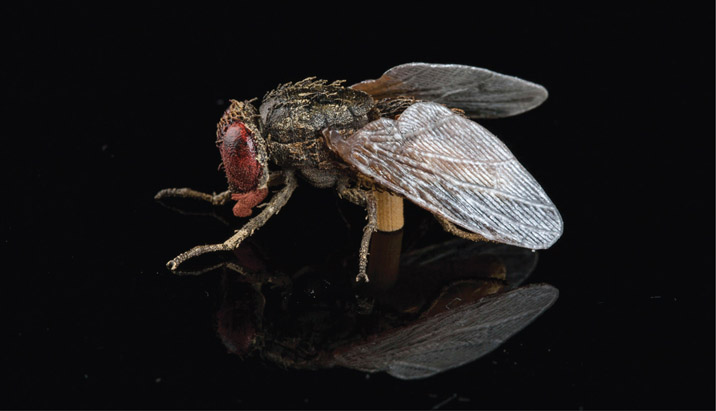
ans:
(214, 199)
(272, 207)
(365, 199)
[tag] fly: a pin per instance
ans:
(408, 133)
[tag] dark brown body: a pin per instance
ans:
(295, 117)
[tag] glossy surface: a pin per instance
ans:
(449, 304)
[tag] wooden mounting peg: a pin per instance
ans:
(389, 210)
(385, 245)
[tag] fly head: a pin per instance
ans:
(243, 154)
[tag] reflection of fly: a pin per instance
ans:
(452, 304)
(407, 133)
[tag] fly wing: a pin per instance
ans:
(451, 338)
(479, 92)
(457, 169)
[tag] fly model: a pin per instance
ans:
(407, 133)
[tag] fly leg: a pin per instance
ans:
(367, 200)
(214, 199)
(454, 230)
(272, 207)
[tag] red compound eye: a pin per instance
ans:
(238, 152)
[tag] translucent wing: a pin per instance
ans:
(479, 92)
(451, 338)
(455, 168)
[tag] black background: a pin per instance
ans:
(105, 106)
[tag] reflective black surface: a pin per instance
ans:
(443, 306)
(106, 107)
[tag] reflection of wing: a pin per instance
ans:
(479, 92)
(519, 262)
(451, 338)
(455, 168)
